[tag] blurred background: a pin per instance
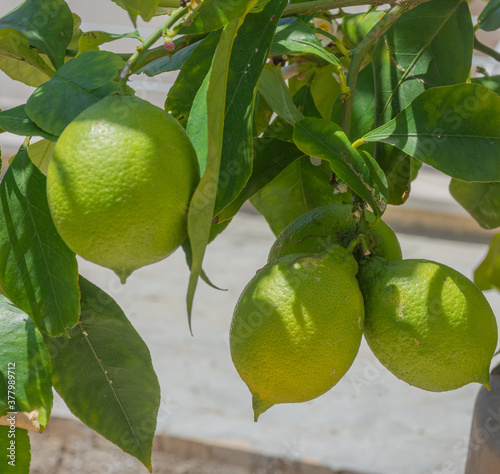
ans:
(369, 423)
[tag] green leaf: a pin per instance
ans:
(271, 157)
(302, 186)
(325, 89)
(304, 101)
(40, 154)
(211, 15)
(24, 365)
(25, 73)
(194, 71)
(16, 45)
(20, 457)
(489, 20)
(16, 121)
(455, 129)
(197, 127)
(91, 40)
(356, 26)
(491, 82)
(298, 38)
(248, 57)
(487, 275)
(104, 374)
(145, 8)
(37, 270)
(47, 23)
(418, 52)
(80, 83)
(480, 200)
(186, 246)
(171, 63)
(77, 32)
(273, 88)
(262, 116)
(210, 103)
(326, 140)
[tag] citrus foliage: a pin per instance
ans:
(321, 118)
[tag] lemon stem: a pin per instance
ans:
(354, 243)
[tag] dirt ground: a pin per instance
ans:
(67, 446)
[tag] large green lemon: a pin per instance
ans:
(297, 327)
(427, 323)
(317, 230)
(119, 183)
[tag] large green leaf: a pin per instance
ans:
(325, 90)
(296, 37)
(480, 200)
(22, 72)
(487, 275)
(271, 157)
(15, 45)
(47, 23)
(145, 8)
(273, 88)
(302, 186)
(16, 121)
(212, 15)
(210, 106)
(37, 270)
(418, 52)
(248, 57)
(104, 374)
(326, 140)
(422, 52)
(181, 95)
(25, 381)
(80, 83)
(455, 129)
(20, 457)
(489, 20)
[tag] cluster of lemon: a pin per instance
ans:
(298, 324)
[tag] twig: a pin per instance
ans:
(319, 5)
(141, 50)
(486, 49)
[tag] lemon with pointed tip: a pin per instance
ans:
(427, 323)
(119, 183)
(297, 327)
(320, 228)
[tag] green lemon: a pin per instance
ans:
(427, 323)
(297, 327)
(317, 230)
(119, 183)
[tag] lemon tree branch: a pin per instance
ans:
(128, 69)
